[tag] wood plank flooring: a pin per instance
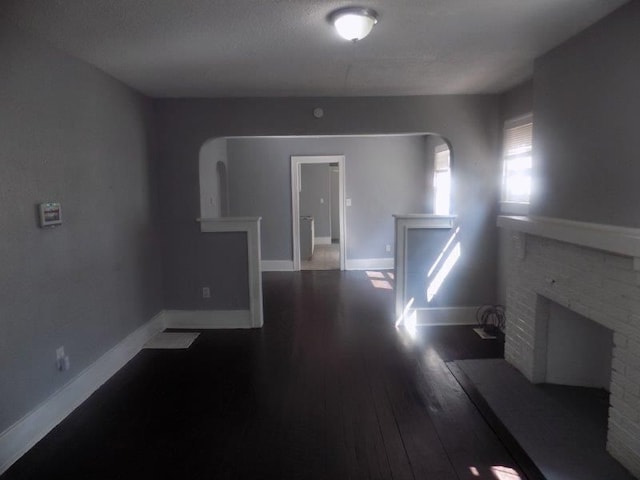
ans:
(328, 389)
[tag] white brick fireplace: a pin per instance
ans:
(594, 271)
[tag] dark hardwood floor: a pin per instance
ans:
(328, 389)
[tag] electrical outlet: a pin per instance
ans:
(388, 248)
(206, 292)
(63, 363)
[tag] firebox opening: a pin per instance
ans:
(579, 350)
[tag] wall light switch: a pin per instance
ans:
(322, 200)
(50, 214)
(206, 292)
(348, 202)
(63, 362)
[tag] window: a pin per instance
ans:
(516, 156)
(442, 180)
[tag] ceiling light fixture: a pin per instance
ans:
(354, 23)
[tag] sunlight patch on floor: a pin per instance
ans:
(381, 280)
(504, 473)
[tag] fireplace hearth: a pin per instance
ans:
(586, 275)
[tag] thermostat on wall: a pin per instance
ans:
(50, 214)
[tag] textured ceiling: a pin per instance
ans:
(222, 48)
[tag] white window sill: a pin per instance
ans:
(514, 208)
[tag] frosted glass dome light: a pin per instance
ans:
(354, 23)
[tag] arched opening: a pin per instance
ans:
(223, 188)
(214, 191)
(383, 175)
(440, 175)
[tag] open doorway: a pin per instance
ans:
(317, 200)
(319, 216)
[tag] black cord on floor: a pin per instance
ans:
(491, 318)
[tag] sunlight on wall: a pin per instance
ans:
(408, 320)
(442, 274)
(444, 250)
(405, 312)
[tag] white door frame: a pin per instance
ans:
(296, 182)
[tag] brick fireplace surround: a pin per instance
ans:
(593, 270)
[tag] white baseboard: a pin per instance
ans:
(322, 240)
(207, 319)
(446, 316)
(29, 430)
(276, 265)
(370, 264)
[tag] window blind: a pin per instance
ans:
(517, 140)
(441, 160)
(517, 161)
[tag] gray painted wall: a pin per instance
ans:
(586, 140)
(74, 135)
(517, 102)
(423, 248)
(316, 186)
(215, 260)
(383, 176)
(471, 123)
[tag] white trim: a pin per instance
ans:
(29, 430)
(250, 225)
(226, 224)
(446, 316)
(208, 319)
(403, 223)
(322, 240)
(370, 264)
(346, 135)
(277, 265)
(514, 208)
(296, 162)
(425, 220)
(608, 238)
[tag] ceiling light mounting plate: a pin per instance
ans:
(353, 23)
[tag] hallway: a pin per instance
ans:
(325, 257)
(328, 389)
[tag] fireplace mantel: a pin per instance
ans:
(608, 238)
(591, 270)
